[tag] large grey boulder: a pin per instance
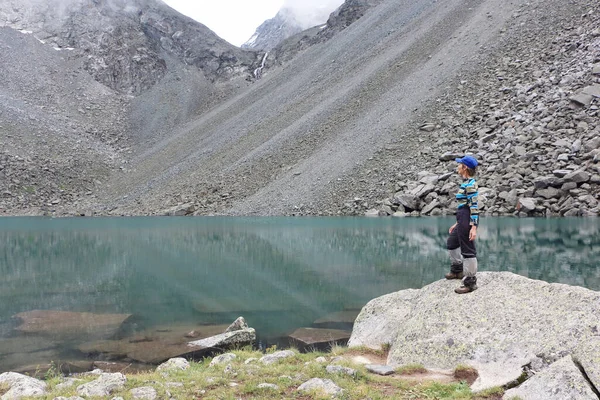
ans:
(561, 381)
(587, 356)
(377, 324)
(21, 386)
(509, 322)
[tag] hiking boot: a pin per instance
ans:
(455, 275)
(456, 272)
(469, 285)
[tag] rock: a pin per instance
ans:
(592, 144)
(237, 325)
(372, 213)
(67, 383)
(577, 177)
(526, 205)
(69, 398)
(450, 156)
(180, 210)
(587, 356)
(568, 186)
(70, 325)
(276, 357)
(429, 207)
(338, 369)
(269, 386)
(560, 173)
(376, 325)
(242, 337)
(429, 127)
(410, 202)
(562, 380)
(319, 338)
(146, 392)
(596, 69)
(507, 316)
(544, 182)
(383, 370)
(325, 386)
(549, 193)
(582, 99)
(21, 386)
(520, 150)
(593, 90)
(103, 386)
(223, 359)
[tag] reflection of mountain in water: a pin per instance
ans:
(164, 270)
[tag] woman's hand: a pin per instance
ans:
(473, 233)
(452, 228)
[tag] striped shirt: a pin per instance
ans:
(467, 197)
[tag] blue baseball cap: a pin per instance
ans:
(469, 161)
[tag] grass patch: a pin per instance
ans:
(362, 350)
(245, 376)
(491, 393)
(411, 369)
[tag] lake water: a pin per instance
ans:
(174, 274)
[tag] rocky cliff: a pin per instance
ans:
(124, 41)
(88, 82)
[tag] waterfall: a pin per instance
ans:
(258, 71)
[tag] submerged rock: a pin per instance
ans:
(66, 324)
(319, 338)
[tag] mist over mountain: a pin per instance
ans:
(295, 16)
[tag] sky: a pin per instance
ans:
(233, 20)
(237, 20)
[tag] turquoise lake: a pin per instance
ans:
(279, 273)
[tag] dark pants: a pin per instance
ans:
(460, 235)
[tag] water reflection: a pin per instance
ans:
(279, 273)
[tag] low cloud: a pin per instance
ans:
(309, 13)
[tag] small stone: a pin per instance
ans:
(146, 393)
(429, 127)
(174, 364)
(222, 359)
(268, 386)
(338, 369)
(326, 386)
(383, 370)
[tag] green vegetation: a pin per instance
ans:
(411, 369)
(242, 379)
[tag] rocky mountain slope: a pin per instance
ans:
(87, 81)
(359, 116)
